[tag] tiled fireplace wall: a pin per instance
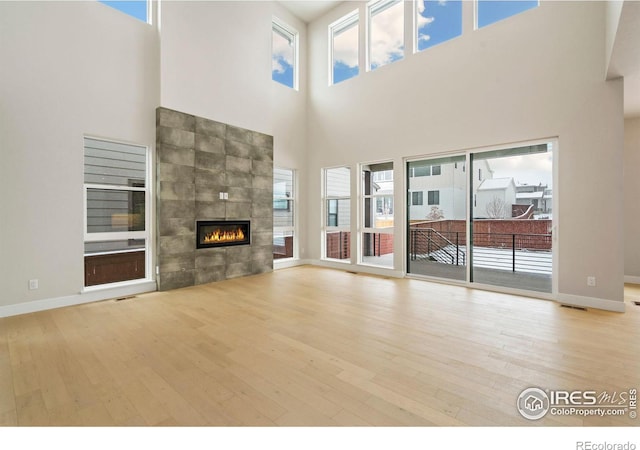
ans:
(197, 159)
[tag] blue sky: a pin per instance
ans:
(438, 21)
(282, 59)
(135, 8)
(491, 11)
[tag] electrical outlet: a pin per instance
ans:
(33, 284)
(591, 281)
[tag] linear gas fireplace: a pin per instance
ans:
(221, 233)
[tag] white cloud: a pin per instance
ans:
(345, 47)
(530, 169)
(422, 20)
(387, 35)
(282, 54)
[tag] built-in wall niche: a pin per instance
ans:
(197, 159)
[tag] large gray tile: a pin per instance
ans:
(210, 127)
(241, 269)
(210, 275)
(238, 210)
(175, 280)
(175, 137)
(262, 168)
(177, 191)
(176, 226)
(174, 245)
(240, 194)
(210, 210)
(175, 119)
(261, 238)
(259, 210)
(261, 140)
(210, 161)
(210, 194)
(262, 252)
(238, 134)
(238, 253)
(177, 263)
(209, 144)
(239, 149)
(175, 173)
(262, 182)
(262, 223)
(175, 155)
(235, 164)
(210, 257)
(209, 179)
(239, 179)
(258, 267)
(262, 196)
(170, 209)
(261, 153)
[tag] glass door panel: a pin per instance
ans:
(437, 217)
(511, 218)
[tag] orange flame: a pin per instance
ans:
(224, 236)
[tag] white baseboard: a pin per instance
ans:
(78, 299)
(286, 263)
(591, 302)
(359, 268)
(631, 279)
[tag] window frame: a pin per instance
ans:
(326, 228)
(290, 198)
(417, 200)
(362, 228)
(115, 236)
(433, 198)
(290, 33)
(335, 28)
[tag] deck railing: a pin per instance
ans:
(516, 252)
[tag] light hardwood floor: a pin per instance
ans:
(310, 346)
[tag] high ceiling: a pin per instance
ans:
(625, 59)
(309, 10)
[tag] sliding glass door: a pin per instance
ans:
(437, 215)
(511, 217)
(483, 217)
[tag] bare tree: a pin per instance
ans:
(496, 208)
(435, 214)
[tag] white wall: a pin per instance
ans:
(67, 69)
(536, 75)
(613, 13)
(631, 200)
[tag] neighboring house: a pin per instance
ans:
(539, 196)
(494, 197)
(443, 186)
